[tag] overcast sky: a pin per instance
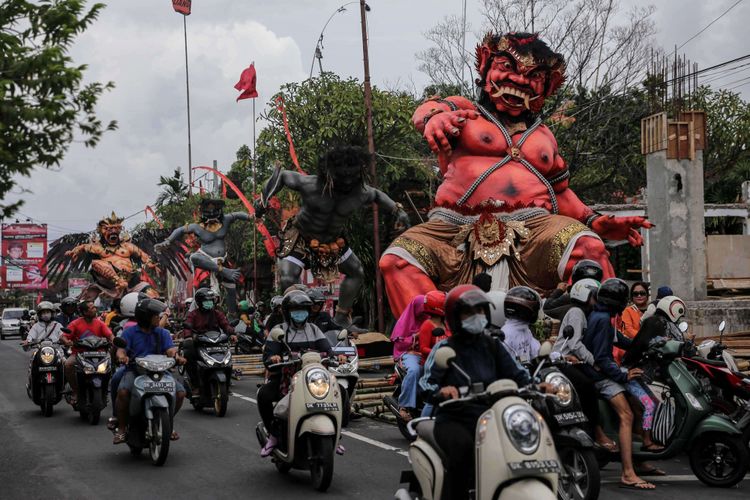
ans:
(139, 45)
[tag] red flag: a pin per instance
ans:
(182, 6)
(247, 83)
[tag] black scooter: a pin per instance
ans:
(46, 377)
(214, 367)
(93, 371)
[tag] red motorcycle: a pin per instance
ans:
(728, 389)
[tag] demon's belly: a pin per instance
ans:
(512, 184)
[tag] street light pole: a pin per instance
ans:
(318, 53)
(363, 8)
(187, 88)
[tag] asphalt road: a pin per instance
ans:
(64, 457)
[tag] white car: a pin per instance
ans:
(11, 320)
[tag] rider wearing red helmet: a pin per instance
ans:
(484, 359)
(430, 331)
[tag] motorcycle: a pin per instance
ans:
(93, 371)
(152, 402)
(24, 326)
(346, 373)
(712, 441)
(309, 417)
(214, 372)
(579, 477)
(46, 375)
(248, 341)
(515, 455)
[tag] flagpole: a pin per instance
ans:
(187, 89)
(255, 233)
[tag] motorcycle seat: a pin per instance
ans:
(426, 431)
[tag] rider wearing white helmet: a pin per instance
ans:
(46, 328)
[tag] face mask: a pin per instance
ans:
(46, 317)
(299, 316)
(474, 324)
(208, 305)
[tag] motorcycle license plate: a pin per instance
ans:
(571, 417)
(215, 349)
(322, 406)
(151, 386)
(47, 368)
(541, 466)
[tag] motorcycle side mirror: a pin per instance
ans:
(277, 334)
(568, 332)
(683, 326)
(65, 330)
(120, 342)
(722, 326)
(444, 356)
(438, 332)
(343, 334)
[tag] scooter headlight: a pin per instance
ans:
(564, 394)
(318, 383)
(103, 366)
(47, 356)
(523, 428)
(207, 358)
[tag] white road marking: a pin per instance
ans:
(353, 435)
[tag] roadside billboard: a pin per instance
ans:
(76, 286)
(24, 250)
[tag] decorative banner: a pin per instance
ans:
(292, 153)
(267, 239)
(24, 250)
(149, 210)
(76, 286)
(182, 6)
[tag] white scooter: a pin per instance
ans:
(515, 454)
(309, 416)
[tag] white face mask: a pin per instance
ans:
(46, 317)
(474, 324)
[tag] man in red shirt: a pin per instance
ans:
(85, 326)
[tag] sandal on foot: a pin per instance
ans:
(174, 436)
(405, 414)
(649, 471)
(112, 423)
(610, 446)
(120, 437)
(652, 448)
(639, 485)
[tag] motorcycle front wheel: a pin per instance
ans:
(220, 397)
(321, 460)
(579, 476)
(719, 460)
(161, 431)
(96, 404)
(48, 400)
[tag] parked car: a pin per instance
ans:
(11, 321)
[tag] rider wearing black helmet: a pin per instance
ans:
(521, 307)
(318, 316)
(609, 379)
(68, 311)
(275, 317)
(558, 302)
(484, 359)
(205, 317)
(145, 338)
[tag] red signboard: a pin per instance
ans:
(182, 6)
(24, 250)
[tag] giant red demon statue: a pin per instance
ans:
(115, 259)
(504, 205)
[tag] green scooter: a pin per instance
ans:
(713, 442)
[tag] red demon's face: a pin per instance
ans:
(514, 87)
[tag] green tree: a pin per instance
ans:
(175, 189)
(44, 103)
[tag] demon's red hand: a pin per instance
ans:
(443, 126)
(621, 228)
